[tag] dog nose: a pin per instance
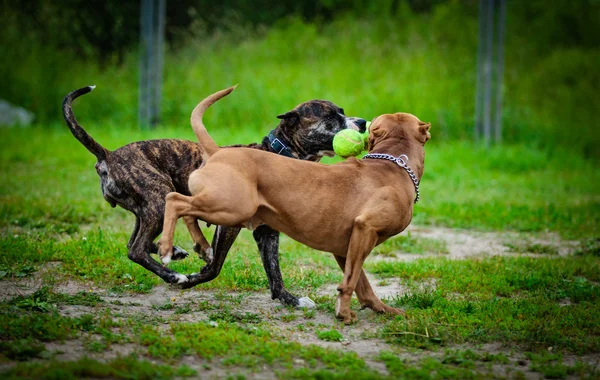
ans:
(362, 125)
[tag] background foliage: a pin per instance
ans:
(370, 57)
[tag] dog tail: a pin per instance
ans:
(207, 144)
(80, 134)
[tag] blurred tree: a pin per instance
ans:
(103, 29)
(88, 28)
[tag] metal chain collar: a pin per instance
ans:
(402, 161)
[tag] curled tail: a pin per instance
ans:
(79, 133)
(207, 144)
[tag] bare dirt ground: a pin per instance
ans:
(360, 337)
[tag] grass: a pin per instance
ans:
(120, 368)
(537, 303)
(246, 342)
(377, 62)
(53, 221)
(534, 303)
(537, 195)
(408, 244)
(330, 336)
(533, 248)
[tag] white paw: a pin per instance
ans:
(181, 278)
(306, 303)
(179, 254)
(166, 260)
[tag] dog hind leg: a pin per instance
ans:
(201, 245)
(267, 240)
(136, 229)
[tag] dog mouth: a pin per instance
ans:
(356, 123)
(110, 201)
(326, 153)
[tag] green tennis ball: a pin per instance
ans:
(348, 142)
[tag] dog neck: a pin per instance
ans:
(398, 146)
(293, 149)
(277, 144)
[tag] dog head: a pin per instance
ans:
(107, 184)
(309, 128)
(389, 129)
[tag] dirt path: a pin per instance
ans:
(462, 244)
(360, 338)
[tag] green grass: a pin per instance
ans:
(537, 303)
(373, 63)
(54, 220)
(431, 368)
(408, 244)
(44, 296)
(533, 248)
(128, 367)
(509, 188)
(236, 345)
(330, 336)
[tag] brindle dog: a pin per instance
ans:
(139, 175)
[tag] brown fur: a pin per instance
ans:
(346, 209)
(138, 176)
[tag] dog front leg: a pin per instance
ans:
(366, 295)
(362, 241)
(267, 240)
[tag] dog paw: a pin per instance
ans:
(347, 316)
(306, 303)
(179, 253)
(165, 260)
(178, 281)
(164, 253)
(395, 311)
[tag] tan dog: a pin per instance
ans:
(346, 209)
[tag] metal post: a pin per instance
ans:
(499, 70)
(152, 27)
(487, 72)
(488, 99)
(479, 84)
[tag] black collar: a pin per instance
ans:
(279, 147)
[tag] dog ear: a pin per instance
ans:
(424, 134)
(290, 115)
(375, 133)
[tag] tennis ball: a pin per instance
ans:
(348, 142)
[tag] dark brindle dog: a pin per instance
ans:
(139, 175)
